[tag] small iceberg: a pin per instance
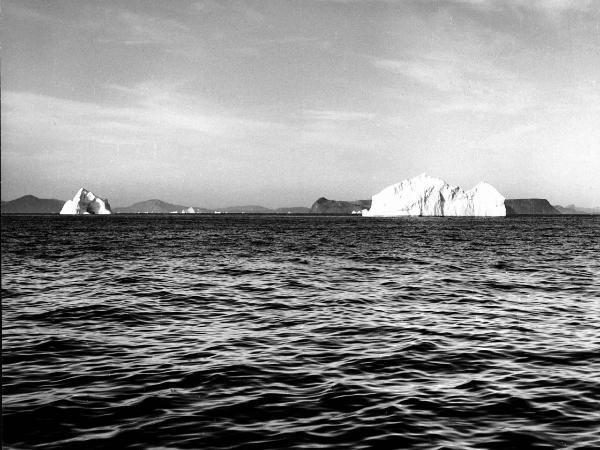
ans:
(85, 202)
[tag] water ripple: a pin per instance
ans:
(300, 332)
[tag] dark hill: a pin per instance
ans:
(572, 209)
(153, 206)
(30, 204)
(325, 206)
(529, 206)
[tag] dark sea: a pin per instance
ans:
(244, 331)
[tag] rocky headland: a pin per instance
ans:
(325, 206)
(529, 207)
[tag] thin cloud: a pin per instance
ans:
(135, 29)
(511, 137)
(120, 25)
(553, 6)
(539, 5)
(550, 9)
(141, 29)
(289, 40)
(463, 83)
(337, 116)
(156, 115)
(432, 74)
(22, 12)
(237, 13)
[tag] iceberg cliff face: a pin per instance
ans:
(85, 202)
(429, 196)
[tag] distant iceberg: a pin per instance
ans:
(85, 202)
(429, 196)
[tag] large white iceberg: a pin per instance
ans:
(85, 202)
(429, 196)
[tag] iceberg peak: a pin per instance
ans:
(86, 202)
(425, 195)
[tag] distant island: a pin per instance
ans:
(422, 195)
(30, 204)
(324, 206)
(155, 206)
(529, 206)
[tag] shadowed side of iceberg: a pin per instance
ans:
(85, 202)
(429, 196)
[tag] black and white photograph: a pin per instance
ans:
(300, 224)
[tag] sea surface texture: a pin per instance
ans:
(306, 332)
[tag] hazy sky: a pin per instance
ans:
(215, 103)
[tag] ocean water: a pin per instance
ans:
(300, 332)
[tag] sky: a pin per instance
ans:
(220, 103)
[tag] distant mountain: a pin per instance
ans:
(325, 206)
(156, 206)
(572, 209)
(293, 210)
(529, 206)
(30, 204)
(153, 206)
(249, 209)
